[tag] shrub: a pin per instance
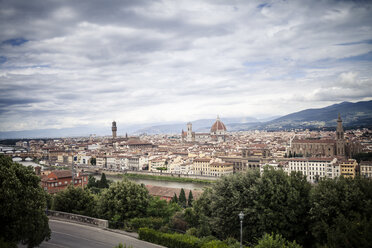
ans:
(215, 244)
(150, 222)
(170, 240)
(275, 241)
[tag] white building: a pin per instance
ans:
(315, 168)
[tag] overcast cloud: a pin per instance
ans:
(71, 63)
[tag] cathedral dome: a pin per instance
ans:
(218, 126)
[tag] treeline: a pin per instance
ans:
(279, 210)
(333, 213)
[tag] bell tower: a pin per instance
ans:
(340, 138)
(189, 132)
(114, 129)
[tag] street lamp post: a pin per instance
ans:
(241, 217)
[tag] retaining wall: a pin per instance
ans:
(78, 218)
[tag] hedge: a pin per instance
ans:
(170, 240)
(150, 222)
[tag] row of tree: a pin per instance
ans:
(334, 213)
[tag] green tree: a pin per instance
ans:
(174, 198)
(282, 204)
(75, 200)
(275, 241)
(123, 200)
(91, 182)
(341, 212)
(103, 183)
(93, 161)
(182, 198)
(22, 204)
(273, 202)
(190, 199)
(161, 208)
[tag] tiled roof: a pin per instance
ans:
(169, 192)
(313, 141)
(218, 126)
(61, 173)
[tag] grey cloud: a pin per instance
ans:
(139, 60)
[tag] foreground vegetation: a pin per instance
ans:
(280, 210)
(174, 178)
(22, 203)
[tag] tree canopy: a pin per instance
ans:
(75, 200)
(273, 202)
(341, 212)
(182, 198)
(22, 204)
(123, 200)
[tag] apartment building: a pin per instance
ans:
(315, 168)
(349, 168)
(366, 169)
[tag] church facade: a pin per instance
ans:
(217, 132)
(325, 147)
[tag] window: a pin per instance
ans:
(60, 183)
(65, 182)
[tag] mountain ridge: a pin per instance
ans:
(354, 115)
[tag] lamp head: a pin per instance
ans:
(241, 216)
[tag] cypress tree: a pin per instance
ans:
(103, 182)
(174, 198)
(190, 199)
(182, 198)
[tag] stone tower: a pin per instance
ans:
(340, 139)
(114, 129)
(189, 132)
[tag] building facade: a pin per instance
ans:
(324, 147)
(349, 168)
(365, 169)
(58, 180)
(314, 168)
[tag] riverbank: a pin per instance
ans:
(167, 178)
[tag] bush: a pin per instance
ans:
(170, 240)
(149, 222)
(215, 244)
(275, 241)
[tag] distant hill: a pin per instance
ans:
(202, 125)
(354, 115)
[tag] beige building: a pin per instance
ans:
(219, 169)
(348, 168)
(366, 169)
(201, 166)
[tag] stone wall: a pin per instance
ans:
(78, 218)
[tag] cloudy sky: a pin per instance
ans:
(72, 63)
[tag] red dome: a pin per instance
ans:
(218, 126)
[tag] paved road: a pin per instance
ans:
(70, 235)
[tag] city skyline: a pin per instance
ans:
(69, 64)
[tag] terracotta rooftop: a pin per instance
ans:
(312, 141)
(61, 173)
(218, 126)
(169, 192)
